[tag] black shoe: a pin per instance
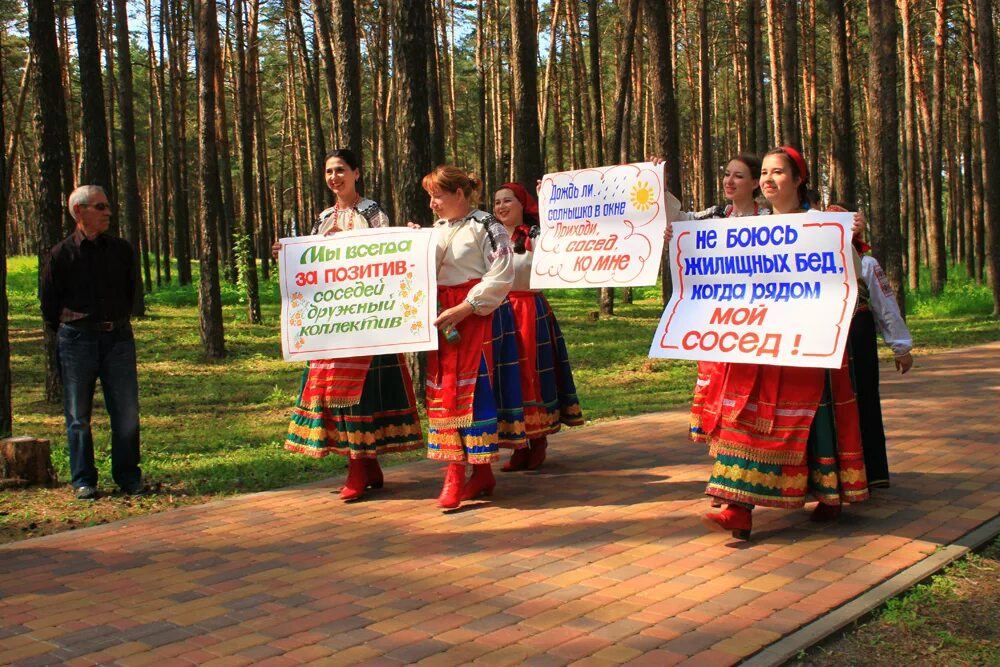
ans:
(140, 488)
(86, 492)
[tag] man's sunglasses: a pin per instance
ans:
(100, 207)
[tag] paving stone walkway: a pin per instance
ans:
(597, 559)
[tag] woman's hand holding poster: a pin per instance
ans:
(777, 289)
(601, 227)
(368, 291)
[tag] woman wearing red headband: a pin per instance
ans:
(547, 385)
(473, 384)
(780, 435)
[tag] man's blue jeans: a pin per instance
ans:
(84, 356)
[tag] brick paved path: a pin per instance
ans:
(598, 559)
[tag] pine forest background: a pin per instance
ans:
(206, 121)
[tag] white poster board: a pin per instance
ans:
(777, 289)
(601, 227)
(367, 291)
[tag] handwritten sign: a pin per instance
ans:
(776, 289)
(601, 227)
(368, 291)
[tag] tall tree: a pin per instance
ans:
(52, 131)
(130, 173)
(95, 168)
(209, 297)
(412, 34)
(705, 107)
(791, 130)
(667, 143)
(843, 186)
(986, 88)
(524, 67)
(247, 251)
(320, 193)
(177, 38)
(347, 59)
(935, 222)
(883, 119)
(5, 378)
(596, 92)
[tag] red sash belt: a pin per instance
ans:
(453, 368)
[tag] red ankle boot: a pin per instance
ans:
(374, 473)
(481, 483)
(518, 460)
(454, 479)
(537, 455)
(824, 512)
(354, 488)
(734, 518)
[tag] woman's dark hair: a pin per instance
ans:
(793, 167)
(753, 164)
(345, 154)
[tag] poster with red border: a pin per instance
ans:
(601, 227)
(367, 291)
(777, 289)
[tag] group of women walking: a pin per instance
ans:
(780, 436)
(500, 376)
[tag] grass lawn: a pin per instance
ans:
(217, 428)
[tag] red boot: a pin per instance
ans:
(374, 473)
(356, 480)
(537, 455)
(454, 479)
(481, 482)
(518, 460)
(734, 518)
(824, 512)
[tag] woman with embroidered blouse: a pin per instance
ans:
(473, 384)
(359, 407)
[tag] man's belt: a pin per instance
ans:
(87, 325)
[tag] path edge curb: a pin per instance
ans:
(837, 619)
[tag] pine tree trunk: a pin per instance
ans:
(6, 410)
(524, 66)
(937, 254)
(774, 53)
(130, 175)
(95, 168)
(986, 89)
(320, 194)
(667, 143)
(209, 298)
(347, 58)
(843, 186)
(596, 93)
(53, 143)
(246, 247)
(705, 123)
(883, 121)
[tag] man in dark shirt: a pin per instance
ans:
(86, 293)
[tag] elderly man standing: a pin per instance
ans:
(86, 293)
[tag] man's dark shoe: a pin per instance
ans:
(140, 488)
(86, 493)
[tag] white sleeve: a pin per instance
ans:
(884, 307)
(490, 292)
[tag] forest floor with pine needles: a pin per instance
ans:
(216, 428)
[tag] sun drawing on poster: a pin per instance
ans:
(642, 196)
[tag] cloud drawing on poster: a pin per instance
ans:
(593, 226)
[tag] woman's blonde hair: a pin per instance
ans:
(450, 178)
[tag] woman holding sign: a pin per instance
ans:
(546, 377)
(358, 407)
(473, 383)
(781, 434)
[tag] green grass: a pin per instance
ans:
(218, 426)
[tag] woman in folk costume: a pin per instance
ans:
(781, 434)
(547, 385)
(473, 382)
(877, 311)
(359, 407)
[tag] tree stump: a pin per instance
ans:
(26, 461)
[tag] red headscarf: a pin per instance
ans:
(530, 207)
(799, 162)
